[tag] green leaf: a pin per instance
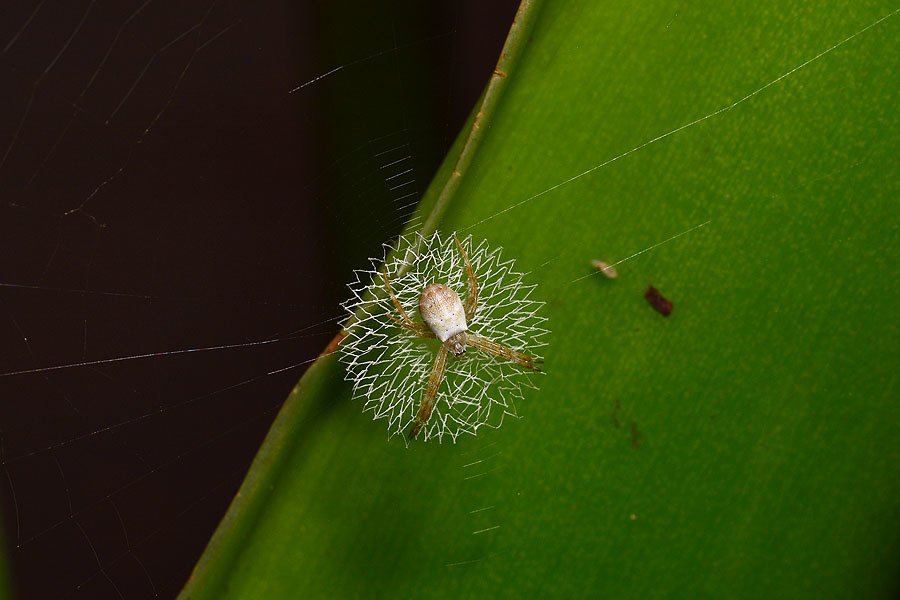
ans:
(745, 446)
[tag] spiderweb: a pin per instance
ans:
(389, 366)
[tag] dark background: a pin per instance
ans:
(161, 190)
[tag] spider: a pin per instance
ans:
(447, 319)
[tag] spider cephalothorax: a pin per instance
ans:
(459, 364)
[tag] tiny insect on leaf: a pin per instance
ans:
(659, 302)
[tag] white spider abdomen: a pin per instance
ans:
(442, 311)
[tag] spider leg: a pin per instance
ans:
(500, 351)
(406, 322)
(472, 298)
(417, 328)
(431, 391)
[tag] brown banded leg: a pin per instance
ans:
(500, 351)
(406, 322)
(431, 391)
(472, 298)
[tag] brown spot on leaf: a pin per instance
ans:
(334, 343)
(659, 302)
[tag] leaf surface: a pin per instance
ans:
(747, 445)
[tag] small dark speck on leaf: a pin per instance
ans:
(635, 436)
(615, 415)
(658, 301)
